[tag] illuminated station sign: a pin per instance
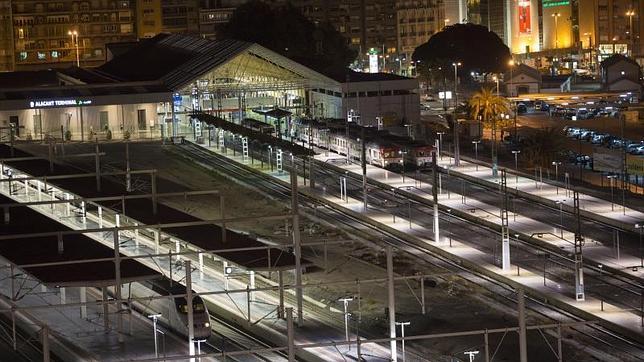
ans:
(47, 103)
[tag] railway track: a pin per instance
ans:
(610, 341)
(619, 288)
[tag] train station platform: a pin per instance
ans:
(552, 191)
(205, 237)
(628, 320)
(561, 236)
(227, 294)
(42, 294)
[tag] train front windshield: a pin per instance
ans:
(197, 305)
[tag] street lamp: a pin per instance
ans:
(612, 203)
(154, 318)
(640, 227)
(346, 301)
(556, 16)
(630, 15)
(402, 334)
(74, 35)
(440, 143)
(516, 167)
(496, 79)
(476, 152)
(556, 164)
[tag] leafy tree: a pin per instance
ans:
(542, 146)
(487, 107)
(477, 48)
(283, 29)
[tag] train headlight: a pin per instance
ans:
(207, 324)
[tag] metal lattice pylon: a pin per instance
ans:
(245, 148)
(220, 137)
(278, 160)
(505, 231)
(580, 295)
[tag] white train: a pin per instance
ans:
(174, 311)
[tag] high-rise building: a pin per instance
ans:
(456, 11)
(612, 26)
(390, 29)
(6, 37)
(46, 33)
(148, 18)
(523, 31)
(516, 22)
(180, 16)
(365, 24)
(558, 23)
(493, 16)
(417, 21)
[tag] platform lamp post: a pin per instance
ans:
(155, 318)
(556, 164)
(516, 168)
(457, 152)
(476, 152)
(402, 155)
(402, 334)
(74, 35)
(440, 144)
(612, 200)
(640, 227)
(346, 301)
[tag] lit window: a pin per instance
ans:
(23, 55)
(21, 33)
(42, 56)
(54, 54)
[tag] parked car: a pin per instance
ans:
(638, 151)
(633, 146)
(575, 132)
(583, 113)
(598, 138)
(586, 135)
(522, 108)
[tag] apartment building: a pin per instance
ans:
(47, 33)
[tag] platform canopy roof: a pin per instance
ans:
(77, 249)
(179, 60)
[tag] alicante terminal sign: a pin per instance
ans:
(47, 103)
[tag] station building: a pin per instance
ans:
(151, 89)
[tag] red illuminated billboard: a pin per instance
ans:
(524, 17)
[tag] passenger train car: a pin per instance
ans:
(382, 148)
(258, 126)
(174, 311)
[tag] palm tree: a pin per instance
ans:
(489, 109)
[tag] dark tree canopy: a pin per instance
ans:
(477, 48)
(286, 31)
